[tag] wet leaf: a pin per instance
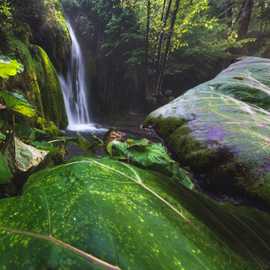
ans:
(104, 214)
(16, 102)
(9, 68)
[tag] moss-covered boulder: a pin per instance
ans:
(104, 214)
(221, 129)
(39, 39)
(39, 80)
(51, 93)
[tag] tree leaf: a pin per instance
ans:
(9, 68)
(148, 155)
(16, 102)
(103, 214)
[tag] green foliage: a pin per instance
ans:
(149, 156)
(29, 134)
(5, 10)
(103, 214)
(44, 145)
(40, 81)
(50, 89)
(123, 38)
(6, 17)
(15, 101)
(9, 68)
(48, 126)
(5, 173)
(2, 137)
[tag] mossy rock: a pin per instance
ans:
(56, 38)
(47, 28)
(51, 93)
(39, 81)
(221, 129)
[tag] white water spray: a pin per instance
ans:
(75, 89)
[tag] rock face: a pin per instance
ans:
(41, 44)
(47, 27)
(221, 129)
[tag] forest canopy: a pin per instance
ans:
(168, 38)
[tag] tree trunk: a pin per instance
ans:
(168, 46)
(148, 24)
(163, 9)
(245, 17)
(161, 36)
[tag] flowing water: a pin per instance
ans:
(74, 89)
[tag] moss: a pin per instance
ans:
(189, 151)
(224, 172)
(51, 90)
(48, 126)
(28, 81)
(55, 38)
(164, 127)
(39, 81)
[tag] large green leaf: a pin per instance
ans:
(103, 214)
(9, 67)
(16, 102)
(148, 155)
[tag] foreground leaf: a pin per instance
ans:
(103, 214)
(9, 67)
(16, 102)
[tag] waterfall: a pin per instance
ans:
(74, 88)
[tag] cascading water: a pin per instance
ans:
(75, 89)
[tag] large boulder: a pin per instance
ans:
(221, 130)
(104, 214)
